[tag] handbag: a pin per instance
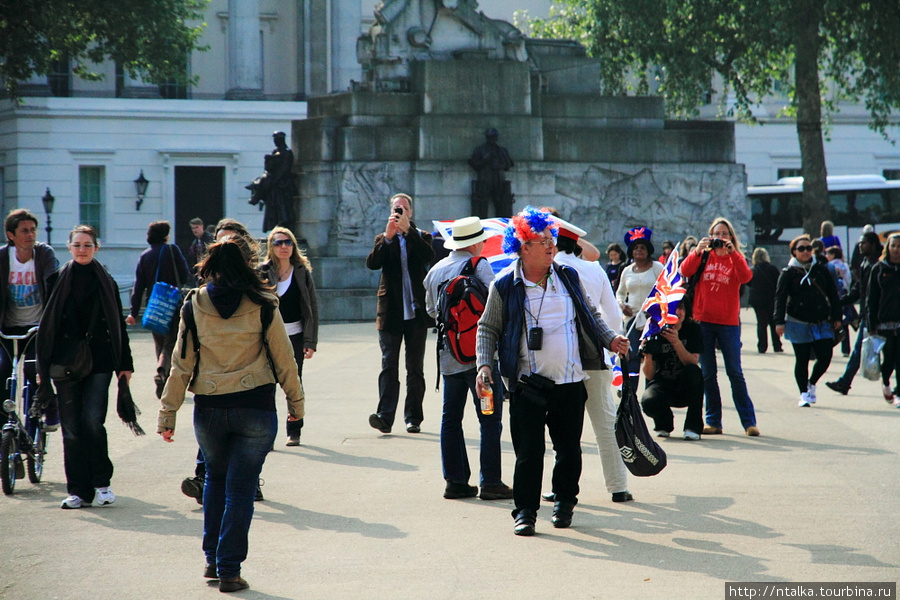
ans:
(871, 365)
(80, 362)
(163, 304)
(643, 457)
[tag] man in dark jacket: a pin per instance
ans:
(160, 262)
(403, 254)
(28, 270)
(870, 248)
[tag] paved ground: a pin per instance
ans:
(355, 514)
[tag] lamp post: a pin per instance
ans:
(48, 209)
(140, 186)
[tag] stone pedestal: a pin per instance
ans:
(606, 163)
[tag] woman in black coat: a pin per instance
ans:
(883, 311)
(762, 299)
(807, 312)
(85, 302)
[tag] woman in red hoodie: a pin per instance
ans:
(717, 308)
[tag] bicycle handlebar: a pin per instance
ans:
(25, 335)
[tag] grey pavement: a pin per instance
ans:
(352, 513)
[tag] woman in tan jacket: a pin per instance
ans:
(240, 351)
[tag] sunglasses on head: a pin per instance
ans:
(803, 248)
(287, 243)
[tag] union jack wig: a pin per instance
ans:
(527, 226)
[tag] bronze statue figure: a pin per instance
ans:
(490, 160)
(276, 188)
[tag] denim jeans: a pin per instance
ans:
(82, 410)
(234, 442)
(728, 338)
(414, 336)
(453, 444)
(853, 363)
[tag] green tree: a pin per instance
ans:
(849, 48)
(148, 38)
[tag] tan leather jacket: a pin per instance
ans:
(232, 358)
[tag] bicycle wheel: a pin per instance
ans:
(35, 461)
(8, 452)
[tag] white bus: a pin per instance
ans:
(856, 200)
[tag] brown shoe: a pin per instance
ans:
(752, 431)
(710, 430)
(497, 491)
(233, 584)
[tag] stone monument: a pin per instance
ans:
(437, 75)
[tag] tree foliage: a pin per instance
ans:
(849, 48)
(148, 38)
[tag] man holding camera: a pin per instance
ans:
(547, 333)
(403, 254)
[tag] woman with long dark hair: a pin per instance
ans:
(807, 312)
(288, 269)
(883, 311)
(84, 305)
(230, 359)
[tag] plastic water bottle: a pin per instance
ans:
(487, 401)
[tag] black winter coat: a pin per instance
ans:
(811, 300)
(883, 298)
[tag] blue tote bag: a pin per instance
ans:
(165, 299)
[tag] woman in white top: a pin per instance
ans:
(634, 286)
(289, 271)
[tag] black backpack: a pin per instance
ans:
(641, 454)
(266, 314)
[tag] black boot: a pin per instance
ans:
(562, 514)
(525, 519)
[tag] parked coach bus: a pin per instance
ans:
(856, 200)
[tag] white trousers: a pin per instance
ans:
(601, 409)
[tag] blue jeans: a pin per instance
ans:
(853, 363)
(82, 410)
(234, 442)
(453, 444)
(729, 342)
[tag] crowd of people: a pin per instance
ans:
(545, 333)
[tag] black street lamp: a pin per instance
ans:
(140, 186)
(48, 209)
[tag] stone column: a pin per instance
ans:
(244, 51)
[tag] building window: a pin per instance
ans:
(172, 90)
(789, 173)
(90, 196)
(60, 77)
(891, 174)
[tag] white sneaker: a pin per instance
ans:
(691, 435)
(105, 496)
(811, 392)
(74, 502)
(661, 433)
(804, 400)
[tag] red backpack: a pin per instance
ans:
(461, 302)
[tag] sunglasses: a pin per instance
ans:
(803, 248)
(287, 243)
(546, 243)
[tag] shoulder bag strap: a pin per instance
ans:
(174, 267)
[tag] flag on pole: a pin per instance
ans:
(663, 299)
(492, 246)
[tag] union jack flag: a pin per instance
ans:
(492, 246)
(667, 292)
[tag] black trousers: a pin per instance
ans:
(661, 395)
(294, 427)
(564, 417)
(803, 353)
(765, 326)
(414, 336)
